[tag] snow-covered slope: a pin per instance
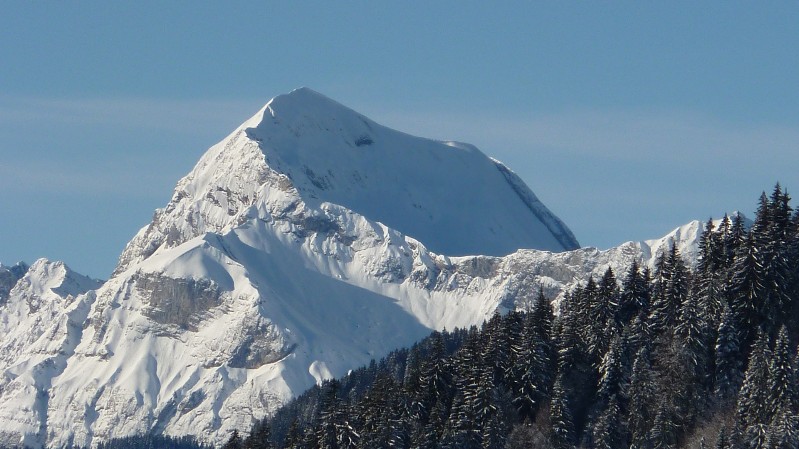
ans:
(299, 247)
(39, 325)
(446, 193)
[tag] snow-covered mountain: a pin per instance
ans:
(40, 325)
(307, 242)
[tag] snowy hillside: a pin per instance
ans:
(39, 325)
(306, 243)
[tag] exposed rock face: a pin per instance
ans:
(181, 302)
(9, 277)
(296, 249)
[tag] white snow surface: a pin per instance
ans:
(444, 193)
(40, 325)
(284, 258)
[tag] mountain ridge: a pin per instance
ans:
(260, 277)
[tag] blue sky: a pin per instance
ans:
(626, 118)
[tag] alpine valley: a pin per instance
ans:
(308, 242)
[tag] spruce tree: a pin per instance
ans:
(752, 409)
(755, 436)
(783, 431)
(608, 432)
(692, 331)
(710, 266)
(692, 336)
(399, 425)
(642, 393)
(293, 438)
(602, 306)
(533, 372)
(563, 432)
(664, 429)
(769, 241)
(234, 442)
(260, 438)
(334, 430)
(634, 296)
(729, 371)
(781, 388)
(374, 412)
(671, 290)
(746, 289)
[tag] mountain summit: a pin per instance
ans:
(446, 194)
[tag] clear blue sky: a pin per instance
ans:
(626, 118)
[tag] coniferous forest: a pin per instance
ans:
(669, 358)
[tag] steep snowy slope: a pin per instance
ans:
(294, 251)
(445, 193)
(39, 325)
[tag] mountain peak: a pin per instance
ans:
(303, 97)
(302, 103)
(302, 148)
(446, 194)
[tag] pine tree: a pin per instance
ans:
(729, 371)
(534, 368)
(641, 399)
(608, 429)
(756, 436)
(399, 425)
(606, 424)
(611, 374)
(563, 432)
(691, 335)
(603, 301)
(293, 436)
(260, 438)
(692, 331)
(671, 290)
(781, 388)
(234, 442)
(746, 289)
(435, 385)
(769, 238)
(710, 266)
(374, 412)
(638, 333)
(783, 432)
(634, 296)
(736, 237)
(678, 282)
(334, 430)
(664, 429)
(462, 431)
(779, 215)
(752, 411)
(569, 345)
(495, 349)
